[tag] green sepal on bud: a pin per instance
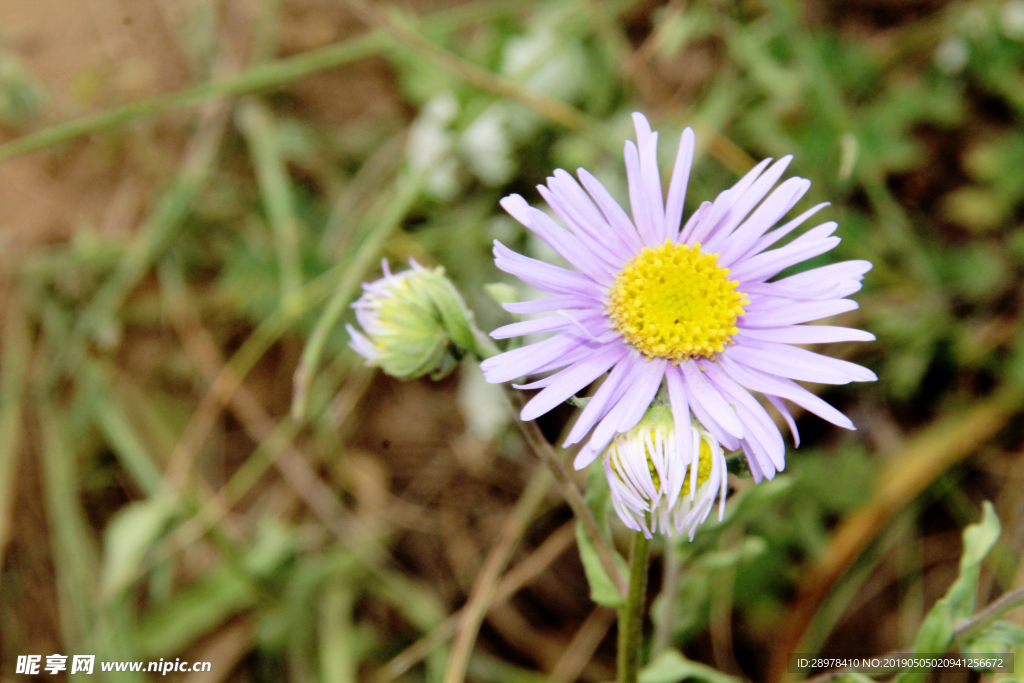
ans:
(414, 323)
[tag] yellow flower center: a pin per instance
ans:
(675, 302)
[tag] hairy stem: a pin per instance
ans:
(572, 495)
(631, 614)
(669, 587)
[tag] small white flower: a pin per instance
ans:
(952, 55)
(1012, 19)
(655, 484)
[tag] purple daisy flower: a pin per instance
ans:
(690, 306)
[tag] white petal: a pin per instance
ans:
(767, 264)
(572, 379)
(769, 383)
(794, 313)
(606, 396)
(808, 334)
(700, 389)
(677, 188)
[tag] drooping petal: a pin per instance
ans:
(764, 382)
(758, 425)
(624, 415)
(524, 361)
(681, 412)
(755, 469)
(572, 379)
(680, 402)
(705, 418)
(753, 447)
(607, 395)
(644, 390)
(787, 416)
(710, 399)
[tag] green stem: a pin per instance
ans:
(985, 617)
(631, 614)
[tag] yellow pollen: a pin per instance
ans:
(703, 468)
(675, 302)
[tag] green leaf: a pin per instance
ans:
(999, 637)
(602, 590)
(936, 631)
(750, 548)
(192, 612)
(135, 529)
(672, 667)
(275, 545)
(978, 541)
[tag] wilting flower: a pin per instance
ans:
(414, 323)
(691, 306)
(653, 487)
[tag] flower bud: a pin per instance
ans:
(654, 484)
(413, 323)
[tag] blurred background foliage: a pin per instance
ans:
(209, 182)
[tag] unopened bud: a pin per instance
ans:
(663, 481)
(413, 323)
